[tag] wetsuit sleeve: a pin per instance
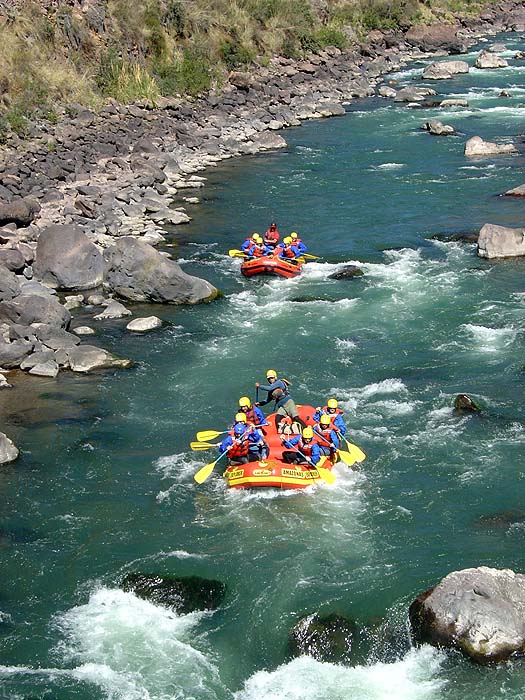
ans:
(292, 441)
(317, 416)
(227, 442)
(261, 419)
(335, 439)
(316, 453)
(340, 424)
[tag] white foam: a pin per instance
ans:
(416, 677)
(490, 339)
(388, 166)
(387, 386)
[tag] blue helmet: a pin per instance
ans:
(238, 429)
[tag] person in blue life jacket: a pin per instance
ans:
(298, 243)
(249, 244)
(326, 436)
(304, 443)
(287, 251)
(256, 419)
(277, 390)
(331, 409)
(238, 442)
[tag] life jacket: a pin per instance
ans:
(271, 237)
(305, 448)
(258, 251)
(251, 418)
(287, 252)
(325, 433)
(240, 446)
(332, 416)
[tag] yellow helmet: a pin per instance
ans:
(287, 240)
(240, 417)
(255, 234)
(271, 373)
(294, 235)
(308, 432)
(244, 401)
(325, 420)
(257, 238)
(332, 403)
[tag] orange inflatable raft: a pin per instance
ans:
(274, 471)
(269, 265)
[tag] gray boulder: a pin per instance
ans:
(136, 271)
(486, 59)
(12, 259)
(45, 369)
(37, 358)
(347, 272)
(8, 450)
(55, 338)
(437, 128)
(34, 308)
(515, 192)
(480, 611)
(9, 284)
(66, 259)
(441, 70)
(144, 324)
(20, 212)
(85, 358)
(113, 310)
(476, 146)
(500, 242)
(436, 37)
(12, 354)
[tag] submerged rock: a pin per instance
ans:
(437, 128)
(328, 638)
(185, 594)
(347, 272)
(464, 403)
(516, 192)
(441, 70)
(501, 521)
(487, 59)
(8, 450)
(85, 358)
(479, 611)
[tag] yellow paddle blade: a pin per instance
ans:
(202, 445)
(326, 474)
(300, 260)
(205, 472)
(234, 253)
(310, 257)
(356, 452)
(205, 435)
(346, 457)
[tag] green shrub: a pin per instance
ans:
(192, 74)
(331, 36)
(234, 54)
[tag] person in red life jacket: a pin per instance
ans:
(336, 415)
(304, 444)
(259, 249)
(238, 442)
(249, 244)
(298, 243)
(326, 436)
(255, 418)
(286, 250)
(277, 390)
(271, 235)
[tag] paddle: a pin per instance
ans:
(346, 457)
(205, 435)
(310, 257)
(325, 474)
(234, 253)
(354, 450)
(202, 445)
(207, 469)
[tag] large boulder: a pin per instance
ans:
(13, 354)
(518, 191)
(486, 59)
(85, 358)
(437, 128)
(9, 284)
(20, 212)
(463, 403)
(13, 259)
(436, 37)
(66, 259)
(34, 308)
(500, 242)
(327, 638)
(8, 450)
(441, 70)
(480, 611)
(136, 271)
(476, 146)
(185, 594)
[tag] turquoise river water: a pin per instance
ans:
(104, 486)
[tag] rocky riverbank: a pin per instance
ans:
(83, 203)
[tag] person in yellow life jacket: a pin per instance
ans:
(298, 243)
(304, 448)
(326, 436)
(336, 415)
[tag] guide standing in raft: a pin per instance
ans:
(277, 391)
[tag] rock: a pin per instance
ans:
(55, 338)
(9, 284)
(464, 403)
(26, 309)
(66, 259)
(12, 259)
(477, 147)
(516, 192)
(113, 310)
(4, 384)
(45, 369)
(498, 242)
(433, 126)
(37, 358)
(486, 59)
(20, 212)
(436, 37)
(410, 94)
(327, 638)
(441, 70)
(85, 358)
(95, 300)
(454, 102)
(142, 325)
(83, 330)
(12, 354)
(8, 450)
(185, 594)
(136, 271)
(386, 91)
(346, 272)
(478, 611)
(73, 301)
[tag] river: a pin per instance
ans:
(105, 485)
